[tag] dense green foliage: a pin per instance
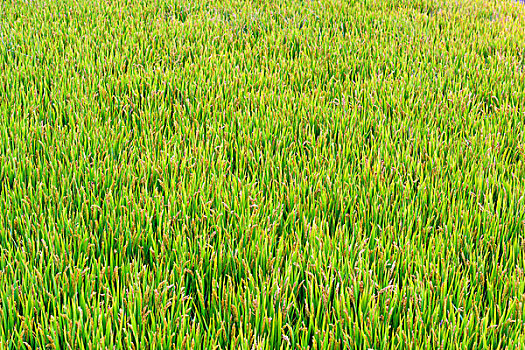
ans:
(268, 174)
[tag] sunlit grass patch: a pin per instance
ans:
(262, 174)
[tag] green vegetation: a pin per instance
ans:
(320, 174)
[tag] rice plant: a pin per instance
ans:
(248, 174)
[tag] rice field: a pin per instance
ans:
(249, 174)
